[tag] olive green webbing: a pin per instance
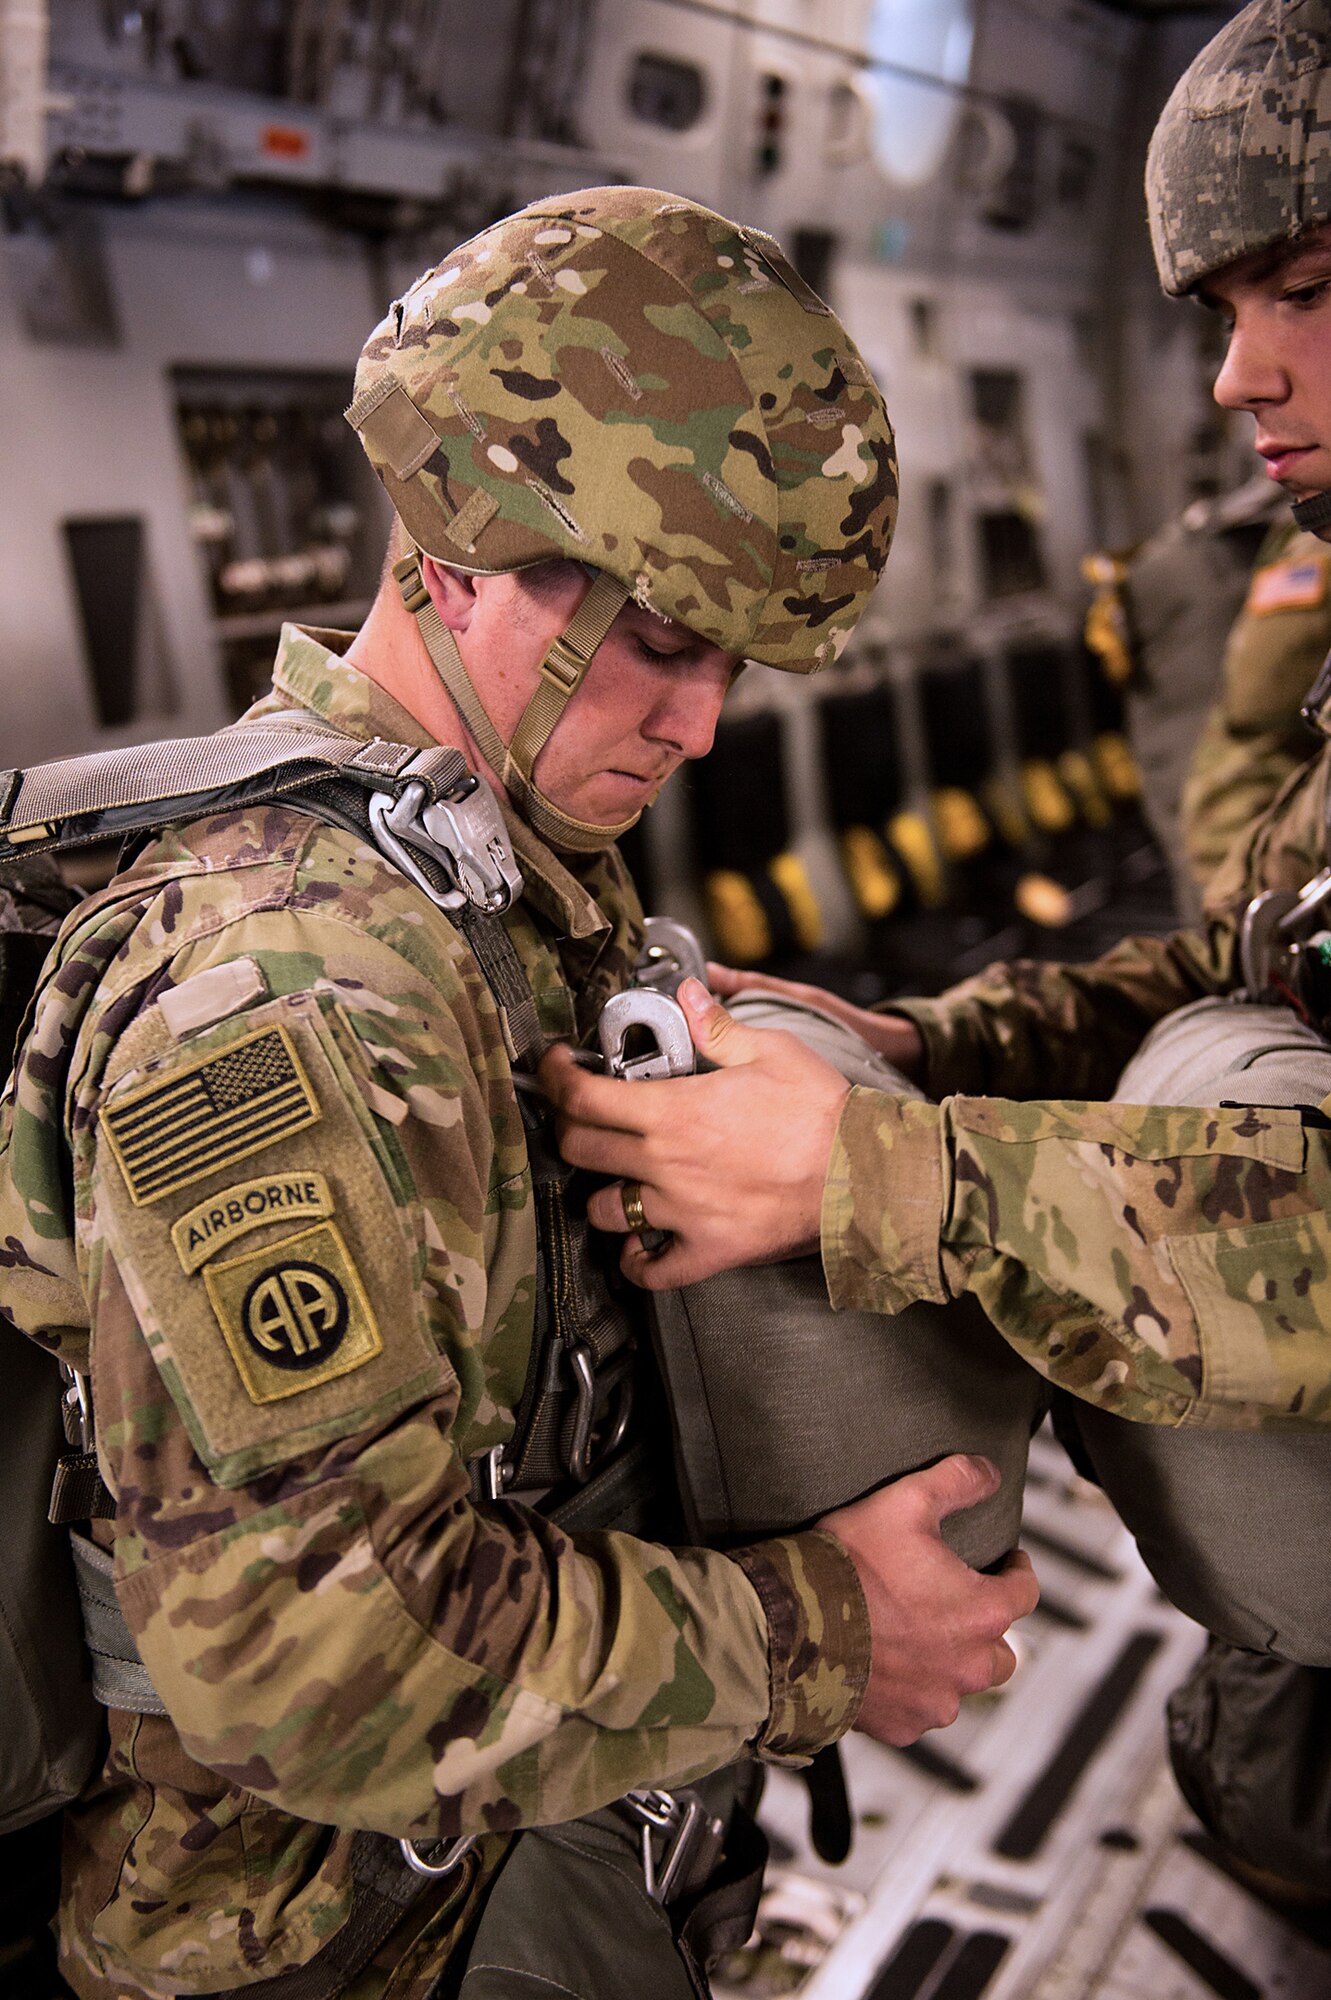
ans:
(1314, 513)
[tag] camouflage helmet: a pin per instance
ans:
(1241, 156)
(627, 379)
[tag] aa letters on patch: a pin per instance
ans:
(294, 1314)
(201, 1118)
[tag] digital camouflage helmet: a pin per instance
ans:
(1241, 156)
(628, 380)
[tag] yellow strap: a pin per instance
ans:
(1047, 801)
(1043, 901)
(1005, 809)
(1106, 633)
(792, 879)
(737, 918)
(868, 865)
(963, 830)
(910, 835)
(1117, 767)
(1079, 775)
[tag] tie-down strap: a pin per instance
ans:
(423, 809)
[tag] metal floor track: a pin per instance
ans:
(1037, 1849)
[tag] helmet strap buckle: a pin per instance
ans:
(564, 667)
(410, 581)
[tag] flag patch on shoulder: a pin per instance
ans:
(195, 1120)
(1288, 586)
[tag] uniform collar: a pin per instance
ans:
(310, 673)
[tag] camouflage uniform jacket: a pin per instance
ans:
(1255, 736)
(1169, 1264)
(264, 1143)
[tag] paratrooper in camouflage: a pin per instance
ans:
(1255, 737)
(265, 1175)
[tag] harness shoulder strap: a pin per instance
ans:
(424, 810)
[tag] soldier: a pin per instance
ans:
(296, 1229)
(1255, 736)
(1231, 589)
(1166, 1263)
(1158, 624)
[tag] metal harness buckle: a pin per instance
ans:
(691, 1840)
(465, 832)
(449, 1856)
(647, 1015)
(78, 1404)
(595, 1394)
(671, 954)
(1279, 941)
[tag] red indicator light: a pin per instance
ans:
(284, 142)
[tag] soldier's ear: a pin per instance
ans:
(452, 592)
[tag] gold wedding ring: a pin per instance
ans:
(630, 1194)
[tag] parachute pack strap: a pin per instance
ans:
(508, 983)
(119, 1677)
(383, 1888)
(115, 792)
(78, 1491)
(1314, 513)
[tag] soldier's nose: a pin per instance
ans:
(1250, 373)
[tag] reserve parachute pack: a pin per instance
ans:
(1232, 1525)
(783, 1409)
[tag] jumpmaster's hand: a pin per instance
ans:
(937, 1626)
(889, 1035)
(732, 1163)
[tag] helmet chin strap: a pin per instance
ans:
(1314, 515)
(561, 673)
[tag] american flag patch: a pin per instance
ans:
(167, 1134)
(1288, 586)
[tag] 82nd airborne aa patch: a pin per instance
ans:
(294, 1314)
(194, 1121)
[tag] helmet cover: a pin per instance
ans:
(627, 379)
(1241, 155)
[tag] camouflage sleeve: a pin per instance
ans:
(1255, 736)
(1032, 1029)
(1168, 1264)
(1232, 779)
(820, 1651)
(295, 1358)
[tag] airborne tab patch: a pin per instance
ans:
(218, 1221)
(293, 1314)
(198, 1119)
